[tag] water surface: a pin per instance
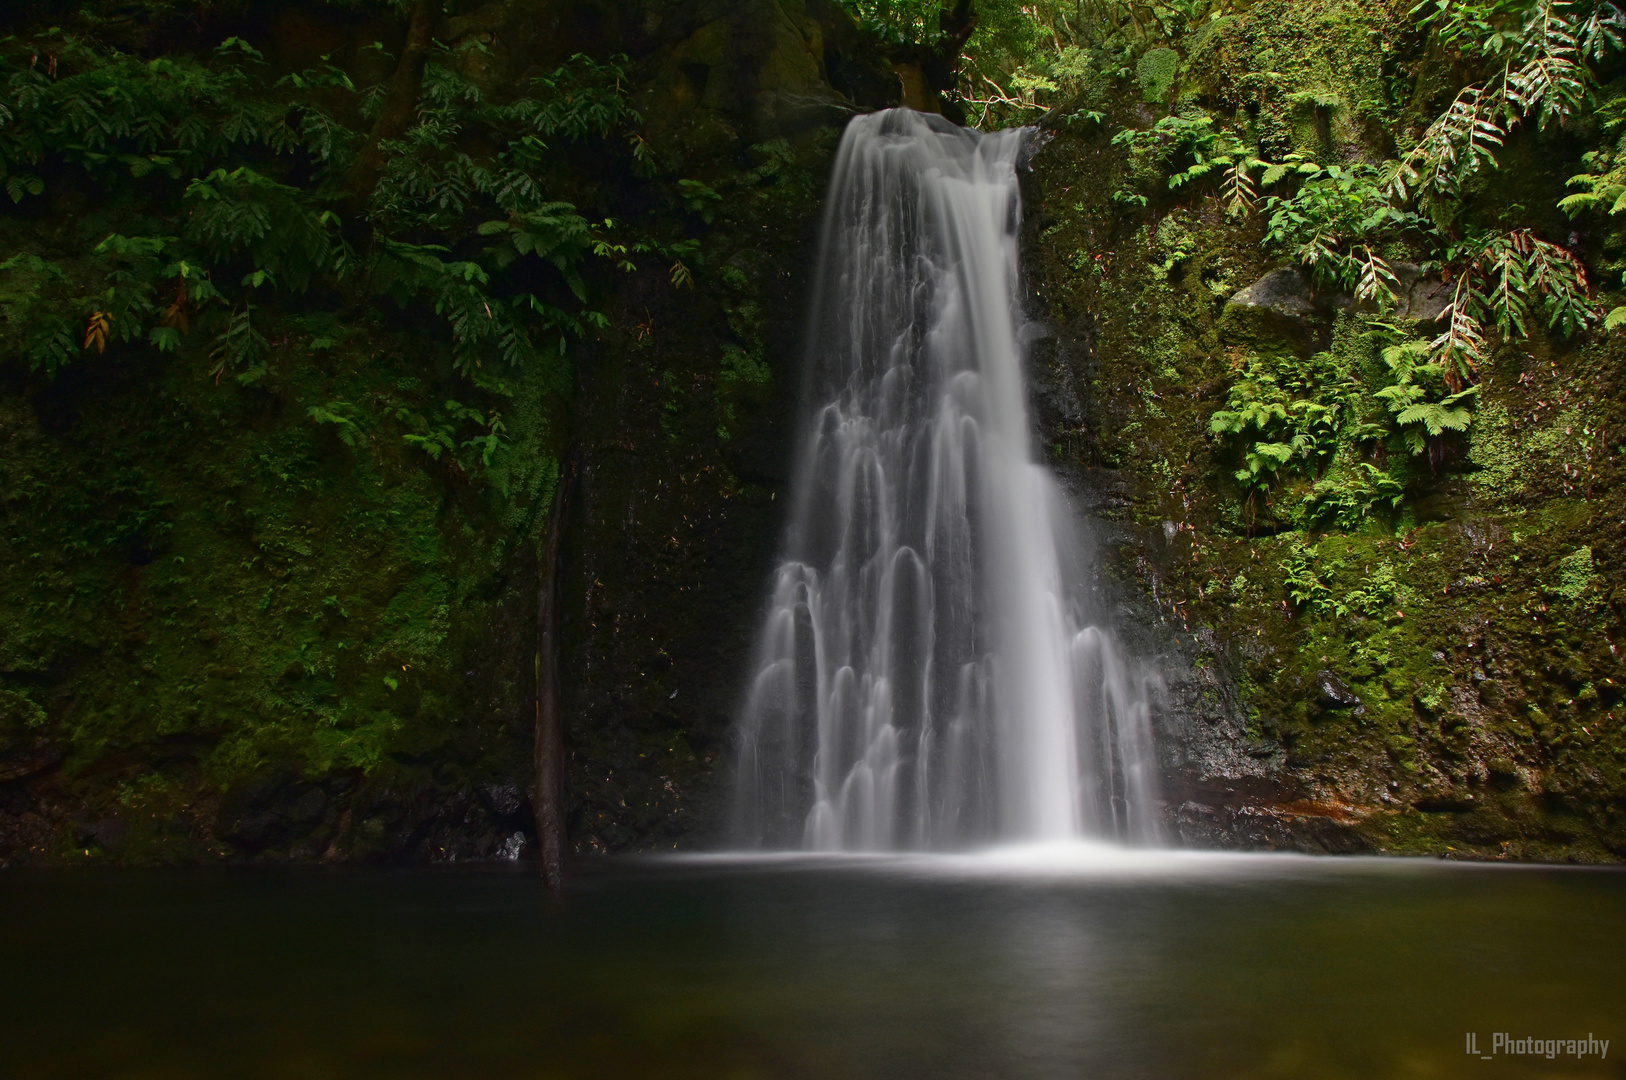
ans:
(1158, 965)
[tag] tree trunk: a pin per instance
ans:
(549, 801)
(399, 102)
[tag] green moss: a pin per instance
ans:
(208, 569)
(1156, 71)
(1500, 461)
(1575, 575)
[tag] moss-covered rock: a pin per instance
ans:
(1465, 596)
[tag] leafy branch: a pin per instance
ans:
(1543, 76)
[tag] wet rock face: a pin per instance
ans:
(107, 835)
(1259, 814)
(278, 815)
(749, 71)
(28, 757)
(273, 808)
(671, 544)
(24, 749)
(687, 416)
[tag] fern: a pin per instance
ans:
(1304, 587)
(35, 323)
(553, 232)
(1603, 191)
(242, 166)
(1506, 282)
(1348, 499)
(1544, 77)
(580, 98)
(1463, 345)
(245, 213)
(341, 416)
(1333, 223)
(1278, 434)
(434, 442)
(1417, 399)
(240, 346)
(1463, 140)
(1212, 153)
(1603, 31)
(438, 436)
(1377, 280)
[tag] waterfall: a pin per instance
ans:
(926, 676)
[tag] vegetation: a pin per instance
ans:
(1388, 459)
(300, 311)
(240, 174)
(280, 432)
(1359, 226)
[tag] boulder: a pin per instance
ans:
(1281, 308)
(1333, 693)
(1288, 298)
(1422, 299)
(1287, 291)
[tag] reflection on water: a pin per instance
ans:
(1027, 964)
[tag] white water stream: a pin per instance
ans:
(927, 676)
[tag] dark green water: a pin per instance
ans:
(1164, 967)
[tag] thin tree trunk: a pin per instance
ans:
(549, 801)
(399, 101)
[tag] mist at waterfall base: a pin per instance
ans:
(930, 674)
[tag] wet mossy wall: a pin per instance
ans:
(1477, 621)
(226, 631)
(204, 588)
(688, 420)
(229, 629)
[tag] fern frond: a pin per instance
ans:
(1461, 141)
(1435, 418)
(1462, 346)
(1558, 278)
(1378, 281)
(1552, 87)
(1603, 30)
(1505, 264)
(1238, 190)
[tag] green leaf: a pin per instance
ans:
(21, 185)
(236, 44)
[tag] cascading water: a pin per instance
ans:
(927, 676)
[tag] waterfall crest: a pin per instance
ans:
(927, 675)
